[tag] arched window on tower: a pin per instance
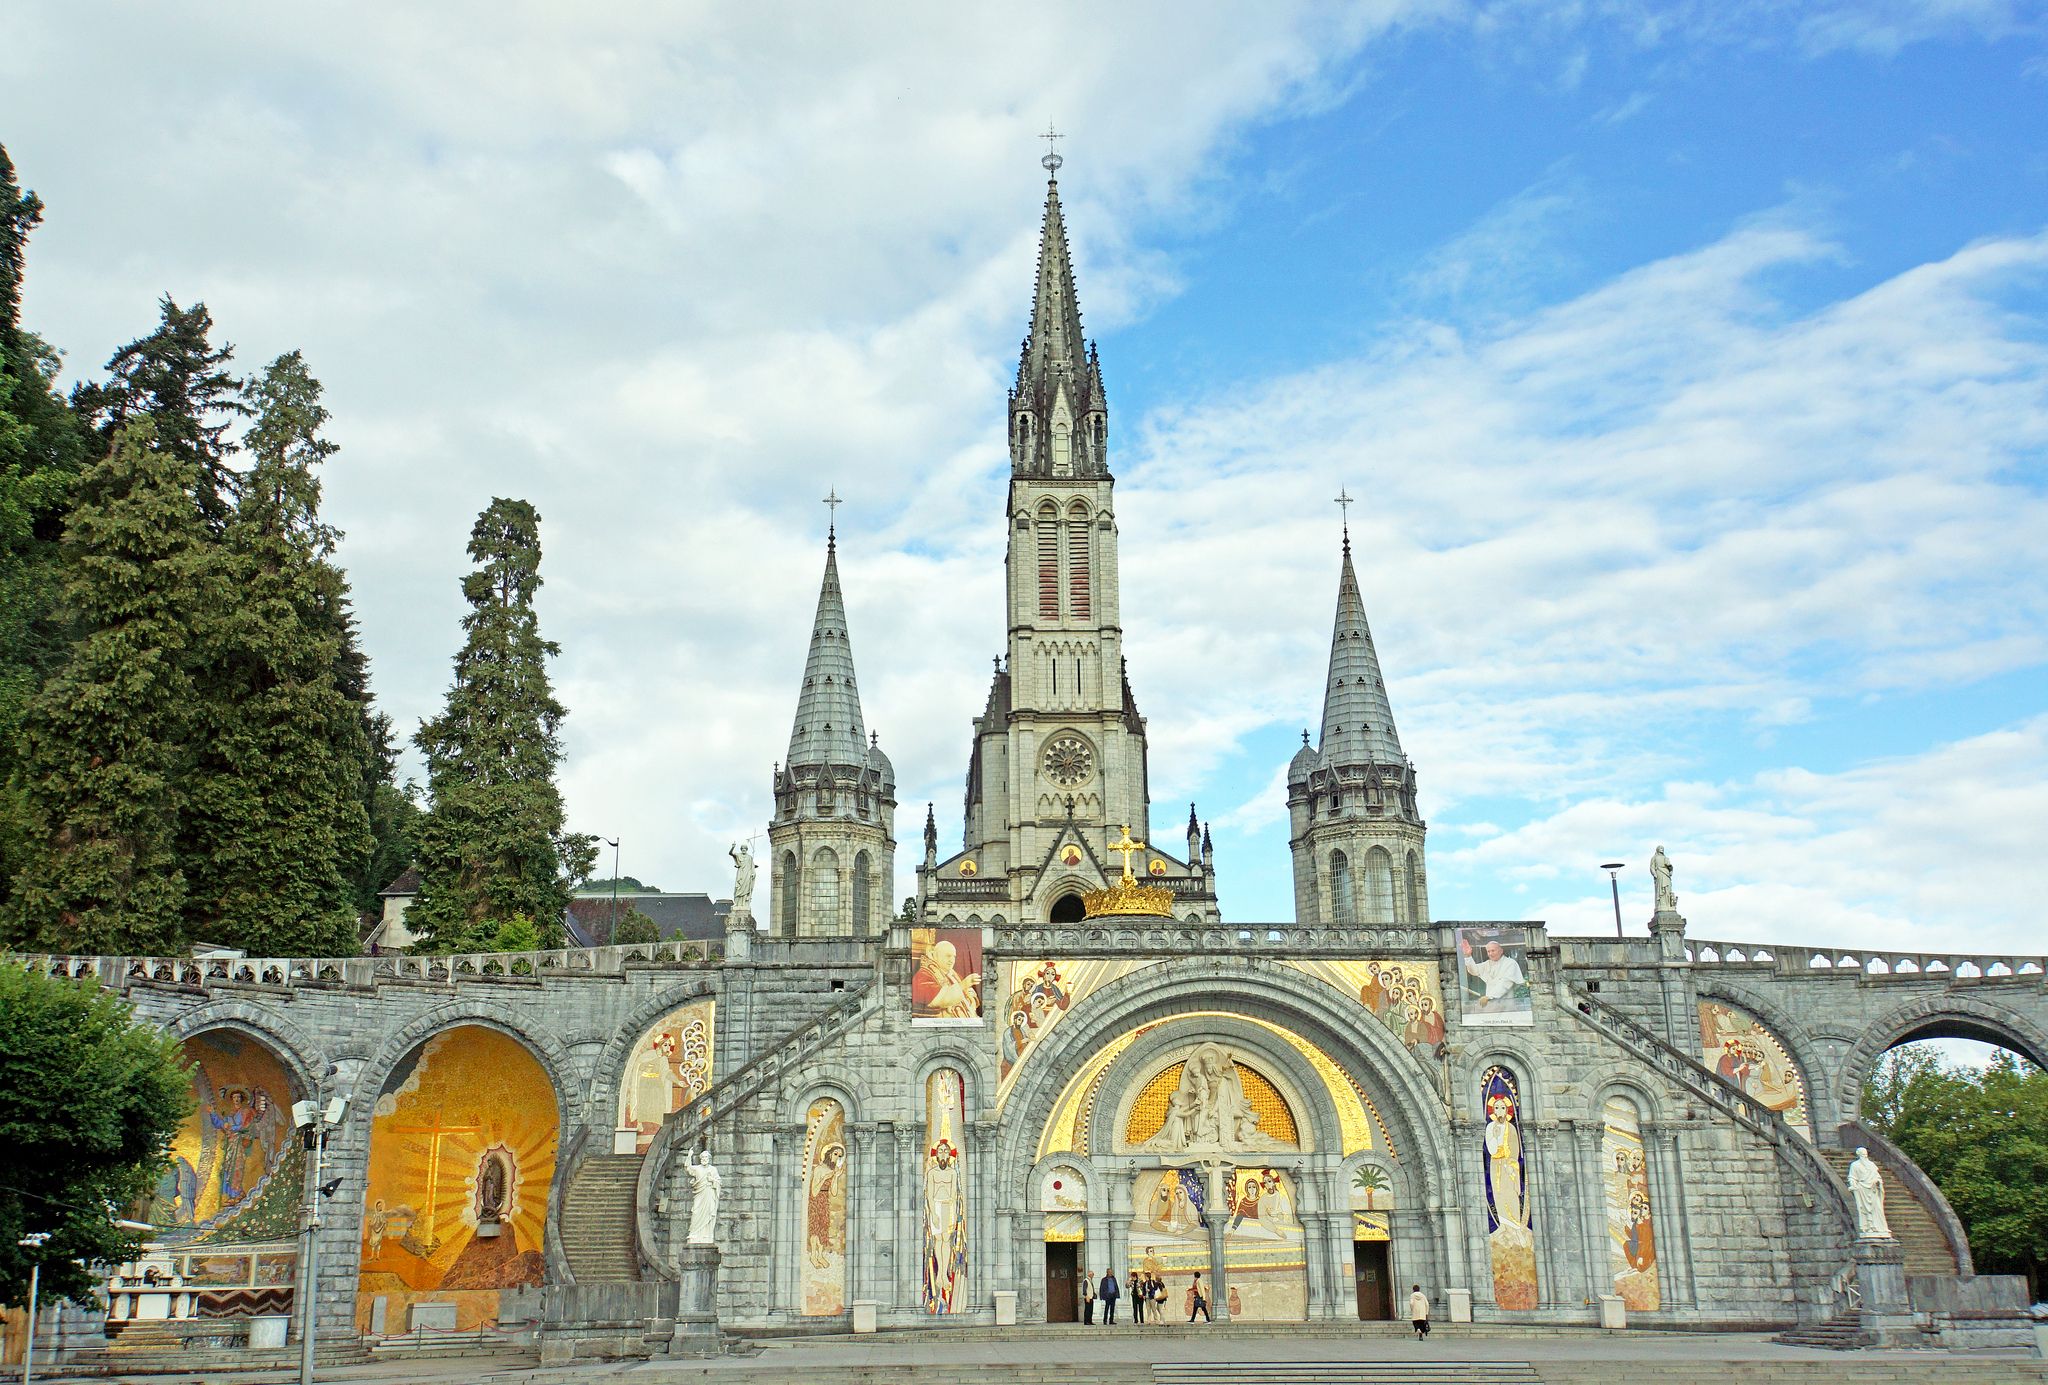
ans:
(1048, 562)
(1415, 890)
(1343, 902)
(790, 892)
(1079, 575)
(1379, 886)
(1062, 449)
(824, 893)
(862, 890)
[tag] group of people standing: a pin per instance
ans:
(1146, 1291)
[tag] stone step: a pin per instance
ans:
(1345, 1373)
(599, 1212)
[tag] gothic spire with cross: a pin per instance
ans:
(1059, 415)
(828, 728)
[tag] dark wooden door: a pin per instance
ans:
(1375, 1280)
(1062, 1259)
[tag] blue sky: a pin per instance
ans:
(1688, 361)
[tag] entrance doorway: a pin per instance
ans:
(1062, 1259)
(1375, 1280)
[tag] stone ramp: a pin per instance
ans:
(598, 1219)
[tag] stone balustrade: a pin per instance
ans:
(284, 973)
(1872, 963)
(1136, 935)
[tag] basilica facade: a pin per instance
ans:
(1060, 1057)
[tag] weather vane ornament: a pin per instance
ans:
(1052, 161)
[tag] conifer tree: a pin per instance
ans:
(274, 826)
(179, 380)
(491, 845)
(41, 453)
(102, 747)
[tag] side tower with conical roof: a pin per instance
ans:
(1356, 834)
(832, 841)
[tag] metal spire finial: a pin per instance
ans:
(1344, 503)
(1052, 160)
(832, 504)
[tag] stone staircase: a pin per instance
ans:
(1927, 1249)
(597, 1219)
(1842, 1332)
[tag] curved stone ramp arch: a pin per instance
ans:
(1945, 1016)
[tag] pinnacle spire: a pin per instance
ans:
(1358, 721)
(828, 727)
(1057, 408)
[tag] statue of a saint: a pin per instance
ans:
(743, 881)
(1660, 875)
(1208, 1108)
(490, 1188)
(705, 1186)
(1866, 1185)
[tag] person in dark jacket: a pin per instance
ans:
(1197, 1302)
(1108, 1292)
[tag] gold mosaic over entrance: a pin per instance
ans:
(1148, 1112)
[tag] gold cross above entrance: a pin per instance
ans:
(1125, 848)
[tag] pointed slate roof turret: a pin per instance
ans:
(1057, 358)
(1358, 721)
(828, 729)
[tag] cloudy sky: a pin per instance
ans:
(1690, 363)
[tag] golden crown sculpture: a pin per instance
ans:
(1127, 896)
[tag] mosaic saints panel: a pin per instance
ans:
(822, 1270)
(1631, 1238)
(945, 1192)
(1509, 1242)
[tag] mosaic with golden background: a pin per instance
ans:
(669, 1068)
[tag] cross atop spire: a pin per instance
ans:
(1052, 160)
(832, 504)
(1344, 503)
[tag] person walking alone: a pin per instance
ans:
(1109, 1292)
(1418, 1312)
(1088, 1297)
(1196, 1303)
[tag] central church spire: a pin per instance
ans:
(1059, 417)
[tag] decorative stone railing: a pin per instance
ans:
(1919, 966)
(1116, 936)
(119, 973)
(971, 889)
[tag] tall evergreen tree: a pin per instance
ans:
(41, 453)
(102, 748)
(275, 827)
(491, 845)
(179, 380)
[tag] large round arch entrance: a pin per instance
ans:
(1348, 1121)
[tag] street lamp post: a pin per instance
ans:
(613, 843)
(315, 1119)
(33, 1241)
(1610, 867)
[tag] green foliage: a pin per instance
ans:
(1982, 1136)
(103, 744)
(42, 452)
(635, 927)
(626, 883)
(516, 934)
(88, 1110)
(492, 842)
(275, 827)
(176, 378)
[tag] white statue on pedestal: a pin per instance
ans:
(1866, 1185)
(705, 1186)
(743, 882)
(1660, 875)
